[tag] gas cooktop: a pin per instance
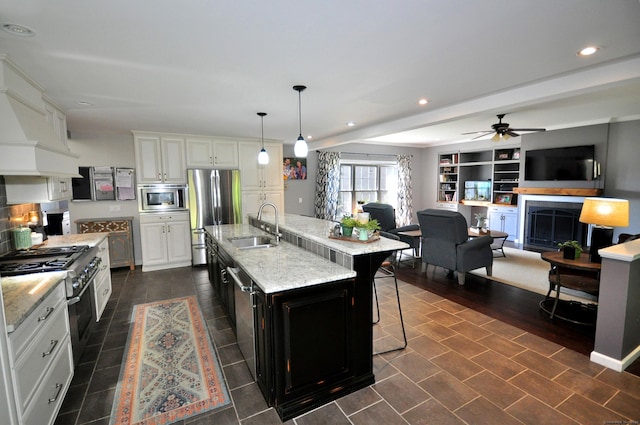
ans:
(40, 260)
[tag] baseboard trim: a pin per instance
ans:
(615, 364)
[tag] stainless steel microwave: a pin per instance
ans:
(162, 197)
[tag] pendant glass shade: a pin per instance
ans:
(263, 156)
(300, 149)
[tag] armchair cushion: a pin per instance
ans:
(386, 217)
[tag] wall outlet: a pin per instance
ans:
(299, 200)
(114, 208)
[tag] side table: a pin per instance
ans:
(578, 274)
(120, 237)
(495, 234)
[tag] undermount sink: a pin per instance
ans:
(251, 242)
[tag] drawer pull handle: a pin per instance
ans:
(46, 316)
(55, 398)
(54, 342)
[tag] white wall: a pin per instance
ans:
(115, 150)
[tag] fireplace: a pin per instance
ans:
(549, 220)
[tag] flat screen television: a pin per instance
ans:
(569, 163)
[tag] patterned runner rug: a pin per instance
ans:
(170, 371)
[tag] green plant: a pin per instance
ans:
(370, 225)
(348, 221)
(480, 216)
(571, 244)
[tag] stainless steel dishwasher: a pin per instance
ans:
(243, 290)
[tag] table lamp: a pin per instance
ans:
(604, 214)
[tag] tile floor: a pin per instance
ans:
(460, 367)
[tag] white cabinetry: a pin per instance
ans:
(41, 360)
(504, 219)
(103, 279)
(57, 121)
(165, 240)
(36, 189)
(160, 158)
(204, 152)
(260, 183)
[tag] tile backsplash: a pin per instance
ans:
(8, 213)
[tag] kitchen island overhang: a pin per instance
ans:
(328, 295)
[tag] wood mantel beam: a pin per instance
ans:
(566, 191)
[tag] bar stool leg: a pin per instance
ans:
(390, 270)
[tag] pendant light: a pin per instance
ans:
(300, 149)
(263, 156)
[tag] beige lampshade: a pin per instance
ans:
(608, 212)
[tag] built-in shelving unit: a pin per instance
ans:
(448, 177)
(500, 168)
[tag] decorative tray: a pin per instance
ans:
(374, 238)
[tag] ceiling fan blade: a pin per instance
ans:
(511, 133)
(477, 132)
(528, 129)
(482, 135)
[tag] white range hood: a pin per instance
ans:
(28, 143)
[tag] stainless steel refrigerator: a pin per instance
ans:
(214, 198)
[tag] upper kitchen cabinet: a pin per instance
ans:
(204, 152)
(160, 158)
(33, 132)
(260, 183)
(36, 189)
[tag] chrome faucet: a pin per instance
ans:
(275, 208)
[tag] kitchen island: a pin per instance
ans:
(312, 309)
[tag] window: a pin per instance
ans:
(366, 182)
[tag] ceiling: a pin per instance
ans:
(207, 67)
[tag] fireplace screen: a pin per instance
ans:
(548, 226)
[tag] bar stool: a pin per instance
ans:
(388, 270)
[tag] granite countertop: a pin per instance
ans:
(22, 294)
(281, 268)
(91, 239)
(318, 231)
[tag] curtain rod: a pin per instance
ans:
(373, 154)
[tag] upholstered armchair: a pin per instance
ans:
(446, 243)
(386, 216)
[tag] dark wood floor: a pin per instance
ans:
(509, 304)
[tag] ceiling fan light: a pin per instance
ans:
(505, 137)
(300, 149)
(496, 137)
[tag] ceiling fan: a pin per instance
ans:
(502, 130)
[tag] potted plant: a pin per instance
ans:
(366, 229)
(571, 250)
(347, 224)
(481, 220)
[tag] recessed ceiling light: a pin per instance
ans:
(84, 103)
(309, 136)
(423, 101)
(19, 30)
(588, 51)
(351, 124)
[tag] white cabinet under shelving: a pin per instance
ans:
(206, 152)
(261, 183)
(102, 290)
(160, 158)
(504, 219)
(165, 240)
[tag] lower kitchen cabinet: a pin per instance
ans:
(165, 240)
(102, 282)
(304, 342)
(41, 360)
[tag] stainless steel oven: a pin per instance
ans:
(81, 264)
(162, 197)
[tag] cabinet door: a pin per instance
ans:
(313, 353)
(154, 243)
(260, 324)
(272, 172)
(199, 152)
(120, 249)
(173, 160)
(251, 201)
(250, 171)
(148, 160)
(178, 241)
(225, 153)
(276, 197)
(59, 188)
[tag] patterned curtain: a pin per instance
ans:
(405, 194)
(327, 185)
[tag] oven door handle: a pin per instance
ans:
(76, 299)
